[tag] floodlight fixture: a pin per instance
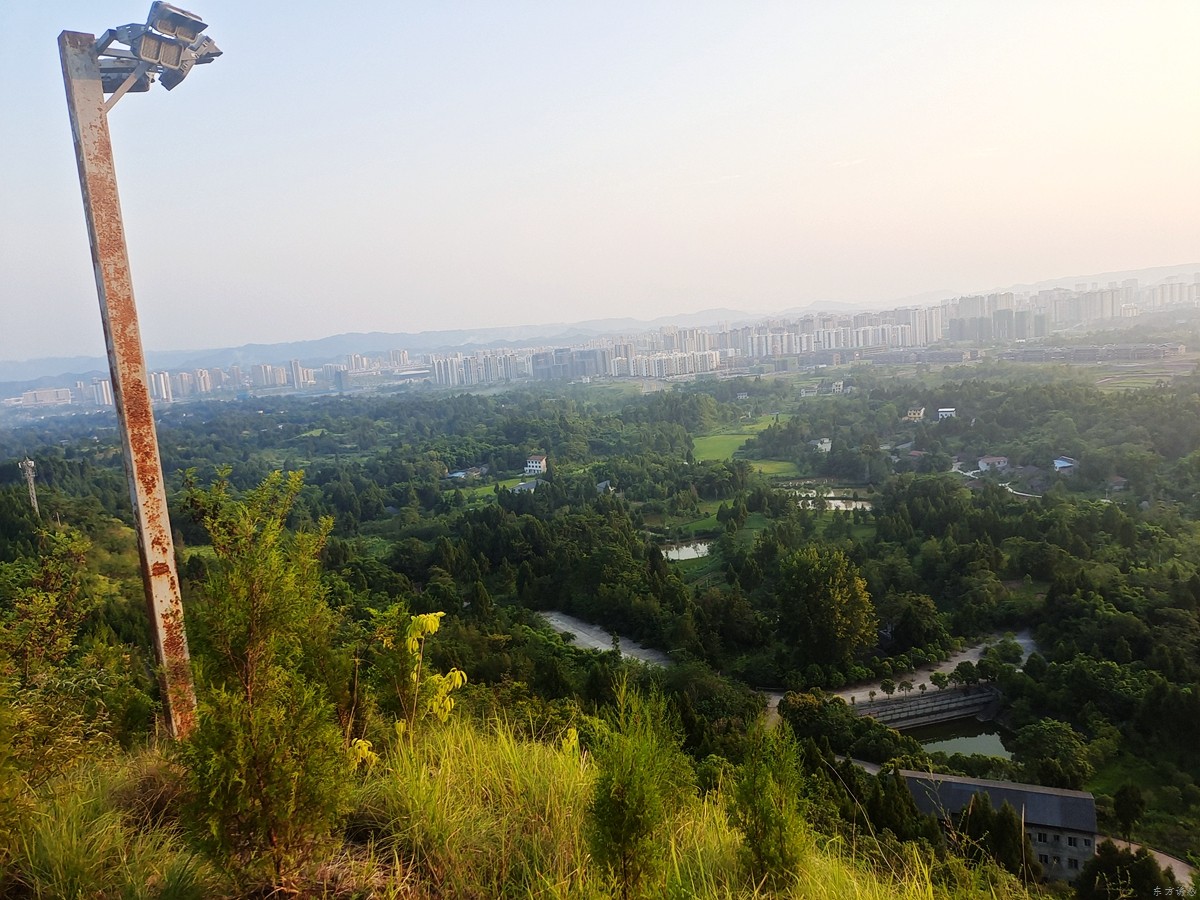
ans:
(206, 50)
(158, 50)
(178, 23)
(168, 45)
(203, 51)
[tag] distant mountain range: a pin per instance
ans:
(1144, 276)
(16, 376)
(336, 347)
(62, 371)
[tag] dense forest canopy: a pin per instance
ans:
(406, 509)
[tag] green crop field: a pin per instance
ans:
(718, 446)
(726, 444)
(486, 490)
(698, 526)
(775, 467)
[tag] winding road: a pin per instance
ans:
(595, 637)
(920, 675)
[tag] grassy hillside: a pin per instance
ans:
(466, 811)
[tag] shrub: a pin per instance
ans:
(642, 779)
(267, 768)
(11, 782)
(764, 805)
(267, 776)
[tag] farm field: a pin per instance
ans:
(726, 443)
(1134, 377)
(780, 467)
(719, 446)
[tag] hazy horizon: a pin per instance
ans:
(480, 166)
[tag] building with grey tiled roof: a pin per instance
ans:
(1061, 824)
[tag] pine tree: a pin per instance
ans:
(267, 767)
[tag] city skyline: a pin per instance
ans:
(543, 164)
(952, 331)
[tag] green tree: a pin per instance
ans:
(267, 766)
(69, 686)
(764, 804)
(1011, 846)
(996, 833)
(1129, 806)
(966, 673)
(827, 614)
(1052, 753)
(1115, 873)
(410, 688)
(41, 617)
(915, 621)
(642, 777)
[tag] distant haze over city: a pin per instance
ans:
(727, 340)
(485, 165)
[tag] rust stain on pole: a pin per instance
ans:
(106, 231)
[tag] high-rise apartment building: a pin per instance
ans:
(102, 394)
(160, 387)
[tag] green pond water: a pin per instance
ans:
(963, 736)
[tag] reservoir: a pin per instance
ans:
(965, 736)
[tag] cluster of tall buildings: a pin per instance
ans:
(171, 386)
(1008, 317)
(999, 318)
(672, 351)
(98, 393)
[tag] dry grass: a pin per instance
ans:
(462, 812)
(484, 814)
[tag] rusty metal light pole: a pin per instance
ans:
(29, 469)
(168, 45)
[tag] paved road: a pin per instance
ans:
(596, 637)
(1007, 485)
(921, 676)
(1183, 872)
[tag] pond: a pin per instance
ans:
(847, 503)
(963, 736)
(808, 500)
(686, 551)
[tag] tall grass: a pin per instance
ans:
(462, 811)
(75, 843)
(481, 813)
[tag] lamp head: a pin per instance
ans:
(168, 45)
(158, 50)
(175, 22)
(202, 51)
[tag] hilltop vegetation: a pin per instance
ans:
(328, 760)
(321, 765)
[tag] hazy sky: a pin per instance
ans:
(441, 165)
